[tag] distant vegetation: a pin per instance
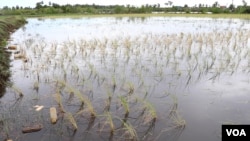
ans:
(54, 8)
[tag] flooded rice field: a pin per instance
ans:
(124, 78)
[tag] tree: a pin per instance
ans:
(186, 9)
(55, 5)
(244, 8)
(244, 3)
(5, 8)
(142, 9)
(216, 4)
(154, 6)
(39, 5)
(170, 3)
(118, 9)
(231, 7)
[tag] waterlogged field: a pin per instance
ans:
(121, 78)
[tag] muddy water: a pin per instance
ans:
(194, 72)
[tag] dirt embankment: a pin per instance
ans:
(7, 26)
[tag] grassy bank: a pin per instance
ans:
(238, 16)
(7, 25)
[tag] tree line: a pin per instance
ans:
(54, 8)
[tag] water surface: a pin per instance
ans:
(194, 72)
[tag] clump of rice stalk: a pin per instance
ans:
(71, 119)
(152, 112)
(175, 116)
(92, 70)
(108, 101)
(114, 84)
(58, 99)
(127, 43)
(125, 104)
(5, 127)
(83, 99)
(110, 122)
(131, 88)
(178, 121)
(129, 131)
(36, 86)
(75, 69)
(17, 90)
(60, 84)
(175, 105)
(149, 111)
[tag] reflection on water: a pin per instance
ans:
(2, 90)
(109, 27)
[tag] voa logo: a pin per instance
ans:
(236, 132)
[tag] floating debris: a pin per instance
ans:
(34, 128)
(38, 108)
(12, 47)
(53, 115)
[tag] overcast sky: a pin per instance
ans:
(32, 3)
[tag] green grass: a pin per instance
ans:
(7, 25)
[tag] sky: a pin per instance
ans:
(32, 3)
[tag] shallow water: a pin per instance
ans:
(192, 69)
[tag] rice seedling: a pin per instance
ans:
(148, 113)
(110, 122)
(36, 86)
(148, 132)
(58, 99)
(131, 88)
(114, 84)
(83, 99)
(175, 116)
(17, 90)
(108, 101)
(4, 125)
(129, 132)
(125, 104)
(178, 121)
(71, 119)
